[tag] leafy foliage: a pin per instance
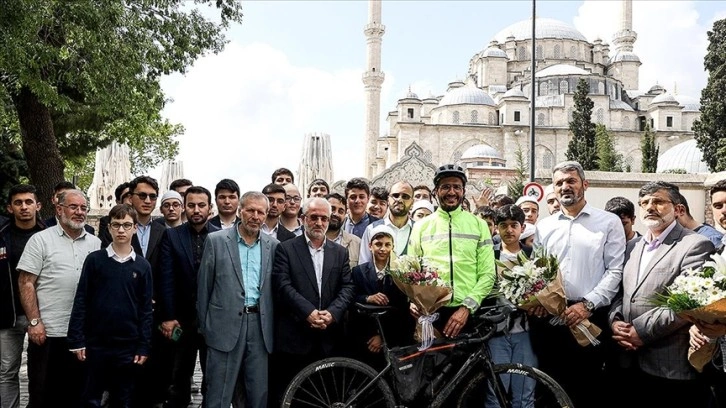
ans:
(515, 185)
(710, 128)
(608, 158)
(582, 147)
(650, 151)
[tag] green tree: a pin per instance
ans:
(650, 151)
(81, 74)
(710, 128)
(582, 147)
(608, 159)
(515, 185)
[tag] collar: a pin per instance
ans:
(193, 231)
(587, 209)
(112, 254)
(60, 231)
(648, 237)
(365, 217)
(457, 210)
(307, 240)
(387, 221)
(240, 238)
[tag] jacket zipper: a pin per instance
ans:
(451, 258)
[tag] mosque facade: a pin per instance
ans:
(482, 121)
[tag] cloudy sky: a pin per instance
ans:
(295, 67)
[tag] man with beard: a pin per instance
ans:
(590, 246)
(181, 251)
(276, 197)
(49, 271)
(235, 308)
(459, 245)
(313, 285)
(653, 340)
(335, 228)
(400, 201)
(226, 195)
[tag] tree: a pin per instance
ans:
(650, 151)
(582, 146)
(515, 185)
(608, 159)
(81, 74)
(710, 128)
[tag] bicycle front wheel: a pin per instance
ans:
(533, 388)
(333, 382)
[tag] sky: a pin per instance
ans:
(294, 67)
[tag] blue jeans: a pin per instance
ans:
(11, 352)
(514, 348)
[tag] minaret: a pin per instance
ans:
(624, 64)
(316, 161)
(373, 79)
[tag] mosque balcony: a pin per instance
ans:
(374, 30)
(373, 79)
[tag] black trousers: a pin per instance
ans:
(154, 377)
(55, 375)
(578, 369)
(183, 363)
(113, 369)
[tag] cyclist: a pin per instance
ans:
(459, 245)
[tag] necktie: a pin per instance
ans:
(652, 245)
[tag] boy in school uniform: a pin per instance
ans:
(111, 322)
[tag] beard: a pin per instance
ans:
(70, 223)
(335, 223)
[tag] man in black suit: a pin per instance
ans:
(313, 287)
(226, 195)
(59, 188)
(181, 250)
(275, 194)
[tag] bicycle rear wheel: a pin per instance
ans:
(547, 393)
(333, 381)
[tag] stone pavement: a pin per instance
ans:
(196, 397)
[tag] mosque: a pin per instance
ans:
(483, 120)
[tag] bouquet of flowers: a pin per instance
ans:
(537, 282)
(699, 296)
(424, 288)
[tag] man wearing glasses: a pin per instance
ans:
(652, 340)
(289, 218)
(57, 190)
(400, 201)
(49, 271)
(171, 209)
(275, 194)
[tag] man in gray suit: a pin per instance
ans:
(235, 308)
(653, 340)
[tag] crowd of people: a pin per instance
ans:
(266, 286)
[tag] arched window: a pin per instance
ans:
(557, 51)
(600, 88)
(474, 116)
(548, 160)
(439, 118)
(626, 123)
(600, 116)
(522, 53)
(613, 94)
(540, 52)
(563, 87)
(573, 52)
(540, 119)
(492, 118)
(544, 87)
(455, 118)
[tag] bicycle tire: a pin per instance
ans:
(548, 393)
(332, 381)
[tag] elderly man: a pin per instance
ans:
(235, 308)
(590, 246)
(654, 341)
(49, 271)
(313, 285)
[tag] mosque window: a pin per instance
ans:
(455, 118)
(522, 53)
(410, 113)
(669, 121)
(474, 116)
(557, 51)
(544, 87)
(540, 52)
(600, 88)
(517, 116)
(563, 87)
(492, 118)
(540, 119)
(573, 52)
(600, 116)
(548, 160)
(626, 123)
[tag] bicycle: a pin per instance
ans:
(341, 382)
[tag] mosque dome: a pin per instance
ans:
(560, 69)
(514, 93)
(481, 151)
(686, 156)
(545, 28)
(664, 98)
(623, 56)
(466, 95)
(656, 89)
(689, 103)
(494, 52)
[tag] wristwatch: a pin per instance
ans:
(35, 322)
(588, 305)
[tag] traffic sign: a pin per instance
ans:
(534, 190)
